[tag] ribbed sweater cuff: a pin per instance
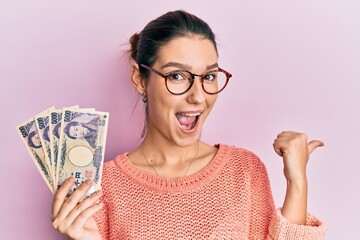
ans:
(281, 228)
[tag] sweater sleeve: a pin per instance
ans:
(262, 203)
(281, 228)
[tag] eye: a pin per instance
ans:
(210, 77)
(177, 77)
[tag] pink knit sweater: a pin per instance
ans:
(229, 199)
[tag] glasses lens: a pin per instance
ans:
(178, 82)
(214, 81)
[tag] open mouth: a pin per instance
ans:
(187, 121)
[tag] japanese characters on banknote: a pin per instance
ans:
(42, 124)
(68, 142)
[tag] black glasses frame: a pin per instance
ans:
(193, 75)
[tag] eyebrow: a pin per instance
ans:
(187, 67)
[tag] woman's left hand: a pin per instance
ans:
(295, 150)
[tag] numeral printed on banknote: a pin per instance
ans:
(31, 139)
(82, 146)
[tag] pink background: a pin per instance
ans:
(295, 66)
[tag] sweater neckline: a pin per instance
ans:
(180, 184)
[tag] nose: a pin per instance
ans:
(196, 93)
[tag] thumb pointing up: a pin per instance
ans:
(314, 144)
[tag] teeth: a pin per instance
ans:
(190, 114)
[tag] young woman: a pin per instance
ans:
(174, 186)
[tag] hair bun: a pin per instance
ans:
(133, 45)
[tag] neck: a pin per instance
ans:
(162, 152)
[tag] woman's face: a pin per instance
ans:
(180, 118)
(78, 131)
(36, 140)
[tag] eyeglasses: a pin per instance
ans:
(180, 81)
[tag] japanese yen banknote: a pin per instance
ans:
(68, 142)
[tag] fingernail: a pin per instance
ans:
(70, 179)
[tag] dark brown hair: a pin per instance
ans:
(145, 45)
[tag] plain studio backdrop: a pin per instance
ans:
(295, 66)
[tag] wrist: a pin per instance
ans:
(297, 183)
(296, 179)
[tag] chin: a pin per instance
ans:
(188, 139)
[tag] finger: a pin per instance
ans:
(70, 203)
(279, 144)
(277, 149)
(314, 144)
(60, 196)
(84, 216)
(88, 202)
(286, 134)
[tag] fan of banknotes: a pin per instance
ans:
(67, 142)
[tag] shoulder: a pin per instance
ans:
(115, 161)
(239, 153)
(246, 167)
(111, 167)
(242, 158)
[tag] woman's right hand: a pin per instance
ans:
(73, 215)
